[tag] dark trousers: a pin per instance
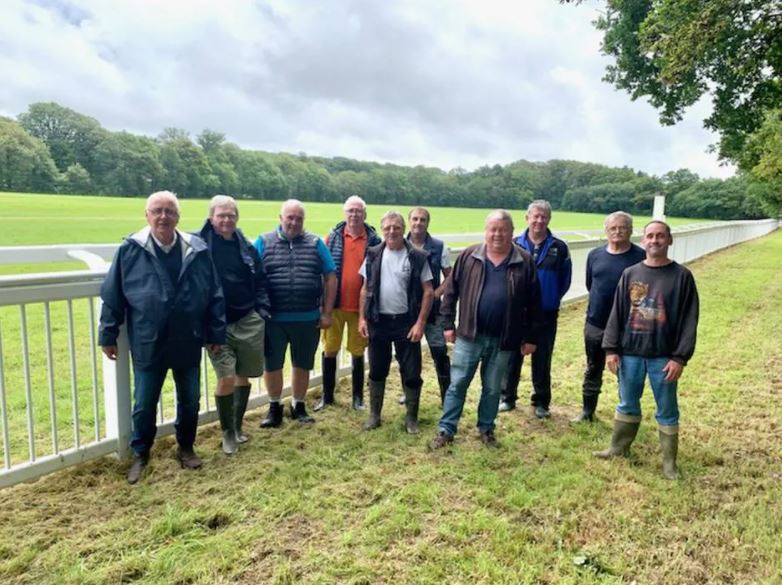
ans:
(393, 329)
(595, 360)
(541, 366)
(148, 384)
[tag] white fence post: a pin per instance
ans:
(116, 395)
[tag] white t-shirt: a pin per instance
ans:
(394, 280)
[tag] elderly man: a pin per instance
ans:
(651, 332)
(552, 260)
(162, 281)
(439, 262)
(347, 243)
(246, 306)
(302, 286)
(495, 284)
(395, 302)
(604, 267)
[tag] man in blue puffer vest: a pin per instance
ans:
(162, 282)
(555, 269)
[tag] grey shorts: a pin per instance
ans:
(242, 354)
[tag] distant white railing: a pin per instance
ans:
(53, 382)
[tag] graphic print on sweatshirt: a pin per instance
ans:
(647, 308)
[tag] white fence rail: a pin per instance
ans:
(62, 402)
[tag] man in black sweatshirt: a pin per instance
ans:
(651, 331)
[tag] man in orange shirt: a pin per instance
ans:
(347, 242)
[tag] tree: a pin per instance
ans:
(25, 164)
(763, 159)
(128, 165)
(676, 51)
(76, 180)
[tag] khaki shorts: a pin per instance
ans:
(332, 337)
(242, 354)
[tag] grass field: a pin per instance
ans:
(329, 503)
(60, 219)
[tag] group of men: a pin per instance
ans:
(248, 304)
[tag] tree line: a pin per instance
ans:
(51, 148)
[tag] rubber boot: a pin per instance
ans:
(241, 398)
(225, 410)
(588, 410)
(625, 430)
(274, 416)
(357, 379)
(412, 400)
(669, 445)
(377, 391)
(442, 365)
(329, 371)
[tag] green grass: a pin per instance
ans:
(329, 503)
(62, 219)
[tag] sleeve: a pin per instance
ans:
(426, 273)
(215, 332)
(685, 345)
(612, 335)
(451, 294)
(262, 302)
(565, 273)
(588, 278)
(259, 246)
(535, 308)
(114, 307)
(326, 260)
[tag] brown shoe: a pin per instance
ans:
(489, 440)
(188, 459)
(137, 468)
(442, 439)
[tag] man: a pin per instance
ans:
(162, 281)
(302, 286)
(554, 269)
(395, 301)
(246, 306)
(439, 262)
(496, 286)
(651, 331)
(604, 267)
(347, 243)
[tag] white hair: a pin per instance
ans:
(292, 203)
(222, 201)
(163, 195)
(499, 215)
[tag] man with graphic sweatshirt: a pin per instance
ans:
(651, 331)
(554, 270)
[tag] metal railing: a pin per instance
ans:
(62, 402)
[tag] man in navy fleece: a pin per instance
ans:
(554, 269)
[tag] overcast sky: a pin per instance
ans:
(445, 83)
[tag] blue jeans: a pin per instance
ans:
(464, 362)
(148, 384)
(632, 374)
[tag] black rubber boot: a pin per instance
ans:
(588, 410)
(273, 417)
(412, 400)
(241, 398)
(225, 410)
(357, 380)
(442, 365)
(669, 445)
(377, 391)
(329, 371)
(625, 430)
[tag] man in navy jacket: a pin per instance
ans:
(163, 283)
(554, 268)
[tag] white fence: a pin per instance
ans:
(62, 402)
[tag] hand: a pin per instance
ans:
(528, 348)
(325, 320)
(110, 351)
(673, 371)
(612, 362)
(213, 348)
(450, 335)
(363, 330)
(416, 332)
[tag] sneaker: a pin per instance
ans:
(488, 439)
(542, 412)
(442, 439)
(507, 406)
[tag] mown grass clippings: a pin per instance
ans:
(332, 504)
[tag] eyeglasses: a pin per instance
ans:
(227, 216)
(158, 211)
(618, 228)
